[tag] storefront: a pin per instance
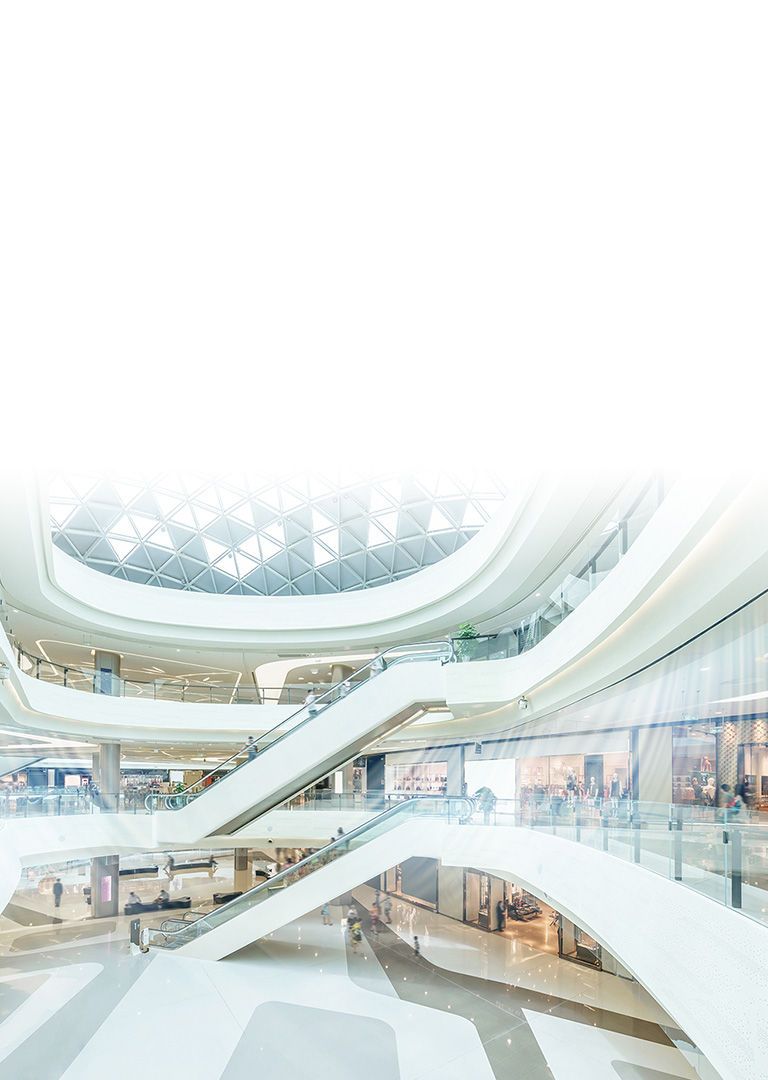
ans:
(437, 771)
(753, 767)
(594, 776)
(694, 765)
(415, 880)
(500, 906)
(425, 778)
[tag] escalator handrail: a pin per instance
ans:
(408, 806)
(444, 644)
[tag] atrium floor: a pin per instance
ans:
(75, 1003)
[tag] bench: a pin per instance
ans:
(140, 909)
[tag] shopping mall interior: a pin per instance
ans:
(421, 774)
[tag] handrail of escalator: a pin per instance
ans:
(453, 807)
(443, 649)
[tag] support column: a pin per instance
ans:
(340, 672)
(106, 678)
(108, 776)
(348, 773)
(105, 886)
(243, 880)
(651, 764)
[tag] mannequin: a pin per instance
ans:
(615, 791)
(570, 785)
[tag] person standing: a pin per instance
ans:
(356, 935)
(416, 946)
(501, 915)
(388, 910)
(251, 748)
(58, 890)
(325, 911)
(311, 702)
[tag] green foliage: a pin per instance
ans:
(465, 633)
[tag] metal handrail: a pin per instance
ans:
(446, 645)
(248, 694)
(89, 674)
(339, 844)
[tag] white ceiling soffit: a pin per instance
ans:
(524, 542)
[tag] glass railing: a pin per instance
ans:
(89, 681)
(53, 802)
(450, 810)
(623, 527)
(720, 853)
(421, 652)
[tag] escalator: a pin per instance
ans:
(387, 839)
(386, 693)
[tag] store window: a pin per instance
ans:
(753, 766)
(591, 777)
(694, 765)
(422, 778)
(534, 775)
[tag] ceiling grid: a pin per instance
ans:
(255, 535)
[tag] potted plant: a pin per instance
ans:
(465, 633)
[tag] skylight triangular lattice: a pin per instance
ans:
(282, 535)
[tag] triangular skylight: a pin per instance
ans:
(210, 534)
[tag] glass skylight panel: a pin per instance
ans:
(322, 554)
(143, 525)
(251, 534)
(162, 538)
(268, 548)
(376, 535)
(214, 548)
(122, 548)
(438, 521)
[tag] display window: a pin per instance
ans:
(590, 778)
(422, 778)
(694, 765)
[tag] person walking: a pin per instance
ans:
(388, 910)
(744, 791)
(375, 922)
(170, 864)
(58, 890)
(325, 911)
